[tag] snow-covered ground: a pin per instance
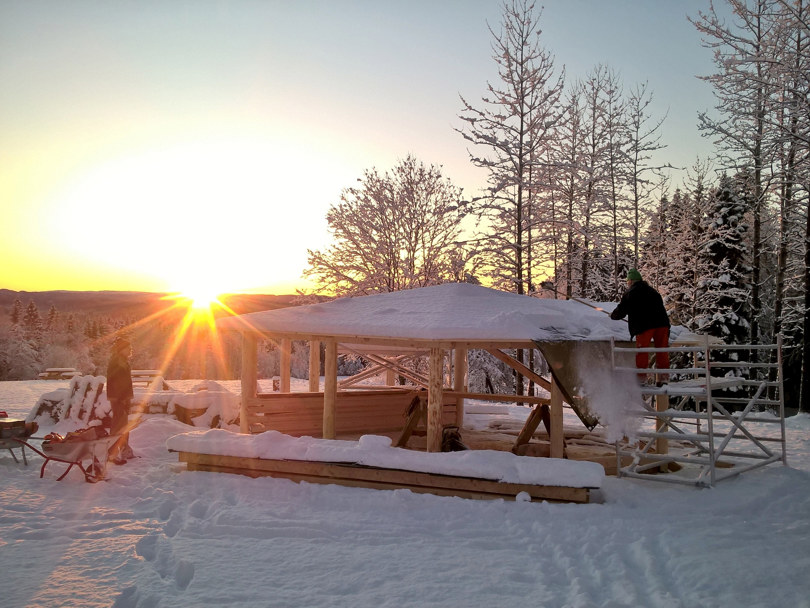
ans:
(157, 535)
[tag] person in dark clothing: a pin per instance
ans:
(120, 394)
(647, 320)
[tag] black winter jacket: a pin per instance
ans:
(119, 378)
(644, 308)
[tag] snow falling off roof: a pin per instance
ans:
(376, 451)
(452, 311)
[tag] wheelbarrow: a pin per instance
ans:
(76, 453)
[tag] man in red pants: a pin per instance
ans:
(647, 320)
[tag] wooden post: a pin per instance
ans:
(661, 443)
(249, 377)
(460, 381)
(314, 366)
(329, 389)
(390, 377)
(284, 365)
(434, 410)
(556, 435)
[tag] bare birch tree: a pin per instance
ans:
(397, 230)
(511, 132)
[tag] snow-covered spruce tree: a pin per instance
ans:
(17, 311)
(724, 291)
(654, 245)
(397, 230)
(685, 266)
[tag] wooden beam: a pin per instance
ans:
(406, 344)
(314, 366)
(662, 443)
(520, 368)
(376, 368)
(460, 381)
(539, 414)
(434, 409)
(329, 390)
(284, 364)
(416, 411)
(382, 362)
(496, 397)
(355, 475)
(249, 378)
(556, 435)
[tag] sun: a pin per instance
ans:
(201, 298)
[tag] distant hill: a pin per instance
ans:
(129, 303)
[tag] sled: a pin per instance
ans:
(76, 453)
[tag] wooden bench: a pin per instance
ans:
(59, 373)
(147, 376)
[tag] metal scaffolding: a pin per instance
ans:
(699, 429)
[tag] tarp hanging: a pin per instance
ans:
(581, 365)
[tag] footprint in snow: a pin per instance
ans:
(131, 598)
(146, 547)
(183, 573)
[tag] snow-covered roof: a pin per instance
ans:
(450, 312)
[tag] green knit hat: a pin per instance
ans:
(633, 275)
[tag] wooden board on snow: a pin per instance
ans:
(357, 475)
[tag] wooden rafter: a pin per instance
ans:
(519, 367)
(383, 363)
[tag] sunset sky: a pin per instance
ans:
(165, 145)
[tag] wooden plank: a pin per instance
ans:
(356, 411)
(416, 413)
(382, 362)
(374, 370)
(249, 378)
(459, 382)
(363, 476)
(284, 365)
(520, 368)
(539, 414)
(329, 390)
(314, 366)
(434, 408)
(556, 436)
(497, 397)
(405, 344)
(662, 443)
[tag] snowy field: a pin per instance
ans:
(154, 535)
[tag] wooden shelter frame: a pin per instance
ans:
(725, 438)
(390, 353)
